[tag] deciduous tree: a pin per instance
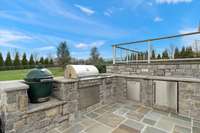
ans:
(63, 54)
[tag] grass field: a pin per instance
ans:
(20, 74)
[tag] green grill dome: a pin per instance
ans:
(40, 81)
(38, 73)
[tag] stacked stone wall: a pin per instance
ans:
(176, 70)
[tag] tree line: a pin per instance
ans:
(175, 53)
(64, 58)
(22, 62)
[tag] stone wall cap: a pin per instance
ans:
(164, 78)
(65, 80)
(13, 86)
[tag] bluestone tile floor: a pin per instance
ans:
(129, 117)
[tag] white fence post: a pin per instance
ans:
(114, 54)
(149, 52)
(127, 56)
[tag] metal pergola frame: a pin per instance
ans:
(119, 45)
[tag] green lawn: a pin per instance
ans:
(20, 74)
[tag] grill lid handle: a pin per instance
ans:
(46, 80)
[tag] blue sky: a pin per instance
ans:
(37, 26)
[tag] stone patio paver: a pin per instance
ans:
(98, 128)
(125, 129)
(92, 115)
(133, 124)
(77, 128)
(143, 110)
(179, 129)
(87, 122)
(121, 111)
(100, 111)
(149, 121)
(118, 118)
(110, 119)
(165, 123)
(135, 115)
(154, 115)
(153, 130)
(132, 107)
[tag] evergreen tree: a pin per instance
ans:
(189, 52)
(41, 60)
(31, 61)
(1, 60)
(158, 57)
(63, 54)
(8, 61)
(37, 62)
(176, 53)
(153, 55)
(183, 51)
(16, 62)
(24, 60)
(51, 61)
(165, 54)
(145, 55)
(141, 56)
(46, 61)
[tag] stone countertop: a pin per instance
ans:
(165, 78)
(13, 85)
(65, 80)
(34, 107)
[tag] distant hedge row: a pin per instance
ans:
(23, 62)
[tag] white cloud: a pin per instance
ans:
(85, 10)
(81, 46)
(7, 38)
(108, 12)
(172, 1)
(90, 45)
(158, 19)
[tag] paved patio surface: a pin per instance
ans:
(129, 117)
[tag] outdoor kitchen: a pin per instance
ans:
(83, 90)
(133, 96)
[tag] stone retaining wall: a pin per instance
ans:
(176, 70)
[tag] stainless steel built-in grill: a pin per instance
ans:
(80, 71)
(89, 94)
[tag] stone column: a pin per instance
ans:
(13, 103)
